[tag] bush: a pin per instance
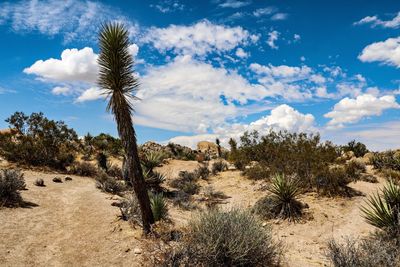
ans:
(102, 161)
(354, 169)
(218, 166)
(83, 169)
(333, 181)
(39, 141)
(183, 200)
(11, 182)
(383, 210)
(390, 174)
(226, 238)
(373, 251)
(108, 184)
(202, 172)
(114, 171)
(130, 210)
(158, 206)
(292, 154)
(257, 172)
(152, 160)
(359, 149)
(386, 160)
(154, 180)
(186, 182)
(39, 182)
(283, 202)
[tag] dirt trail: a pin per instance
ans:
(69, 224)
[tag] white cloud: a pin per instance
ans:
(201, 38)
(194, 96)
(272, 38)
(61, 90)
(303, 58)
(241, 53)
(133, 50)
(74, 65)
(91, 94)
(387, 52)
(234, 3)
(280, 16)
(73, 19)
(168, 6)
(264, 11)
(375, 21)
(282, 117)
(349, 110)
(296, 37)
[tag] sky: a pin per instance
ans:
(212, 68)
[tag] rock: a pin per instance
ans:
(348, 155)
(127, 250)
(137, 251)
(57, 180)
(68, 178)
(368, 158)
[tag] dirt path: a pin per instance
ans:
(69, 224)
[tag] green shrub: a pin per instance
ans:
(283, 202)
(11, 182)
(108, 184)
(102, 161)
(359, 149)
(158, 206)
(383, 210)
(354, 169)
(154, 180)
(226, 238)
(83, 169)
(386, 160)
(39, 141)
(257, 172)
(152, 160)
(333, 181)
(218, 166)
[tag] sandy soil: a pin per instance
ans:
(74, 224)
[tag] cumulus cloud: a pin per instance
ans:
(375, 21)
(264, 11)
(194, 96)
(73, 19)
(387, 52)
(282, 117)
(241, 53)
(272, 38)
(234, 3)
(348, 110)
(168, 6)
(201, 38)
(93, 93)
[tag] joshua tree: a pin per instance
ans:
(117, 79)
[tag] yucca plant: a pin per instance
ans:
(158, 206)
(152, 159)
(117, 80)
(383, 210)
(154, 180)
(284, 193)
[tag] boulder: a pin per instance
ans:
(367, 158)
(210, 149)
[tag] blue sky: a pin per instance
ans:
(212, 68)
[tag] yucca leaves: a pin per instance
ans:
(158, 206)
(382, 210)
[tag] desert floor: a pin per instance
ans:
(74, 224)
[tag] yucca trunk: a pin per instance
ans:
(134, 169)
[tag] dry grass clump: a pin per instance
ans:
(226, 238)
(202, 171)
(39, 182)
(218, 166)
(11, 182)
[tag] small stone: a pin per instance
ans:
(127, 250)
(68, 178)
(57, 180)
(264, 224)
(137, 251)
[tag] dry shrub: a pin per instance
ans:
(11, 182)
(83, 169)
(186, 182)
(226, 238)
(39, 182)
(114, 171)
(109, 184)
(218, 166)
(202, 172)
(333, 181)
(130, 210)
(354, 168)
(257, 172)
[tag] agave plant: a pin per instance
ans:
(158, 206)
(383, 210)
(284, 194)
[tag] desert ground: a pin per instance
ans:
(74, 224)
